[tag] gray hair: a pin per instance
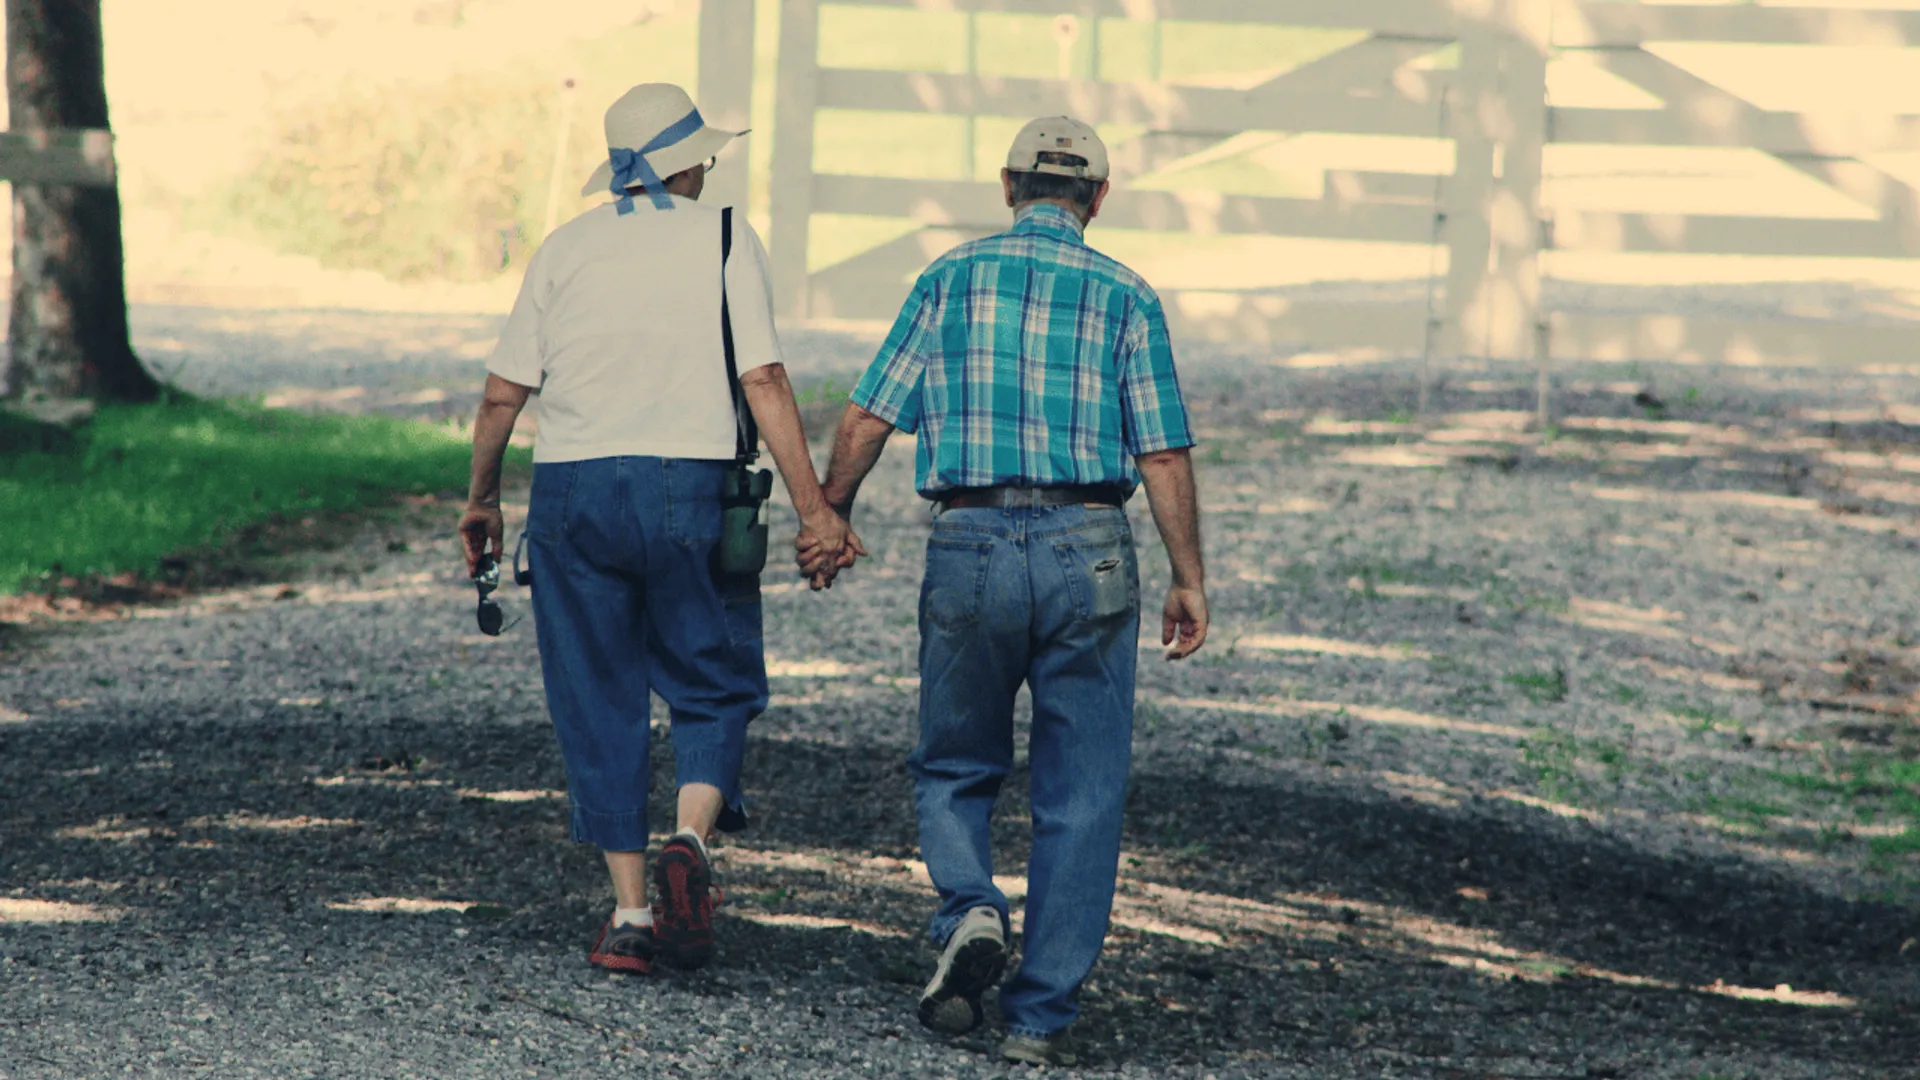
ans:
(1031, 187)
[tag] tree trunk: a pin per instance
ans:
(67, 334)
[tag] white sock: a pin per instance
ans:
(697, 842)
(633, 916)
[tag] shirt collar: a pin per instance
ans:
(1051, 220)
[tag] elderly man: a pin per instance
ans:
(1037, 373)
(631, 322)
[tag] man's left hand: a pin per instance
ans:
(480, 527)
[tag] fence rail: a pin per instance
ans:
(1487, 211)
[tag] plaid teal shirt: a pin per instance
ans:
(1029, 358)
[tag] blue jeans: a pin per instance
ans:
(626, 604)
(1049, 597)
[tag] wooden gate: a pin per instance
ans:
(1485, 215)
(1484, 210)
(1695, 112)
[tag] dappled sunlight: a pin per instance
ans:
(1356, 357)
(1621, 619)
(1403, 591)
(1871, 461)
(1558, 809)
(1750, 499)
(257, 822)
(1609, 610)
(1397, 457)
(114, 828)
(1779, 824)
(16, 909)
(816, 668)
(1694, 676)
(1291, 643)
(1421, 789)
(400, 587)
(375, 780)
(1332, 427)
(1230, 922)
(397, 905)
(117, 829)
(816, 922)
(1511, 421)
(1467, 434)
(1375, 714)
(795, 701)
(1894, 491)
(511, 796)
(1296, 505)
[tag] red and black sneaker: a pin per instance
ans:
(627, 949)
(683, 896)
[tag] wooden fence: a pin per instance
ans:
(1493, 108)
(1829, 148)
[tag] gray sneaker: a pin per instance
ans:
(1054, 1049)
(975, 956)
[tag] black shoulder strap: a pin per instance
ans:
(746, 448)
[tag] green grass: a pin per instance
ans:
(1867, 776)
(1541, 687)
(148, 481)
(1554, 759)
(1871, 786)
(1702, 720)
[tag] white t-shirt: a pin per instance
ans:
(618, 325)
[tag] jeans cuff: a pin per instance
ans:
(942, 927)
(1024, 1032)
(626, 831)
(720, 768)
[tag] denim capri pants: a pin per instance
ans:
(626, 603)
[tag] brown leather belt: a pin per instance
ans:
(1005, 497)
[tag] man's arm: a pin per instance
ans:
(856, 449)
(1176, 511)
(500, 407)
(770, 396)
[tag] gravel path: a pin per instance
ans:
(1584, 754)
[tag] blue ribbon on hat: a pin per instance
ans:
(630, 166)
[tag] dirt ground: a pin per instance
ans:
(1585, 752)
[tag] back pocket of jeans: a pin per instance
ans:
(1103, 574)
(693, 502)
(956, 581)
(552, 498)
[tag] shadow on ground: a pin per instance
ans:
(1276, 922)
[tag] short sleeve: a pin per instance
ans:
(891, 387)
(750, 300)
(1153, 412)
(516, 356)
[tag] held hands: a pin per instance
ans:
(826, 545)
(1185, 617)
(481, 526)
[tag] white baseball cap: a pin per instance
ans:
(662, 113)
(1058, 135)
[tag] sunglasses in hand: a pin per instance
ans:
(485, 580)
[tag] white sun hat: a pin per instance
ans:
(1058, 135)
(653, 131)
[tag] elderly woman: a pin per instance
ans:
(631, 322)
